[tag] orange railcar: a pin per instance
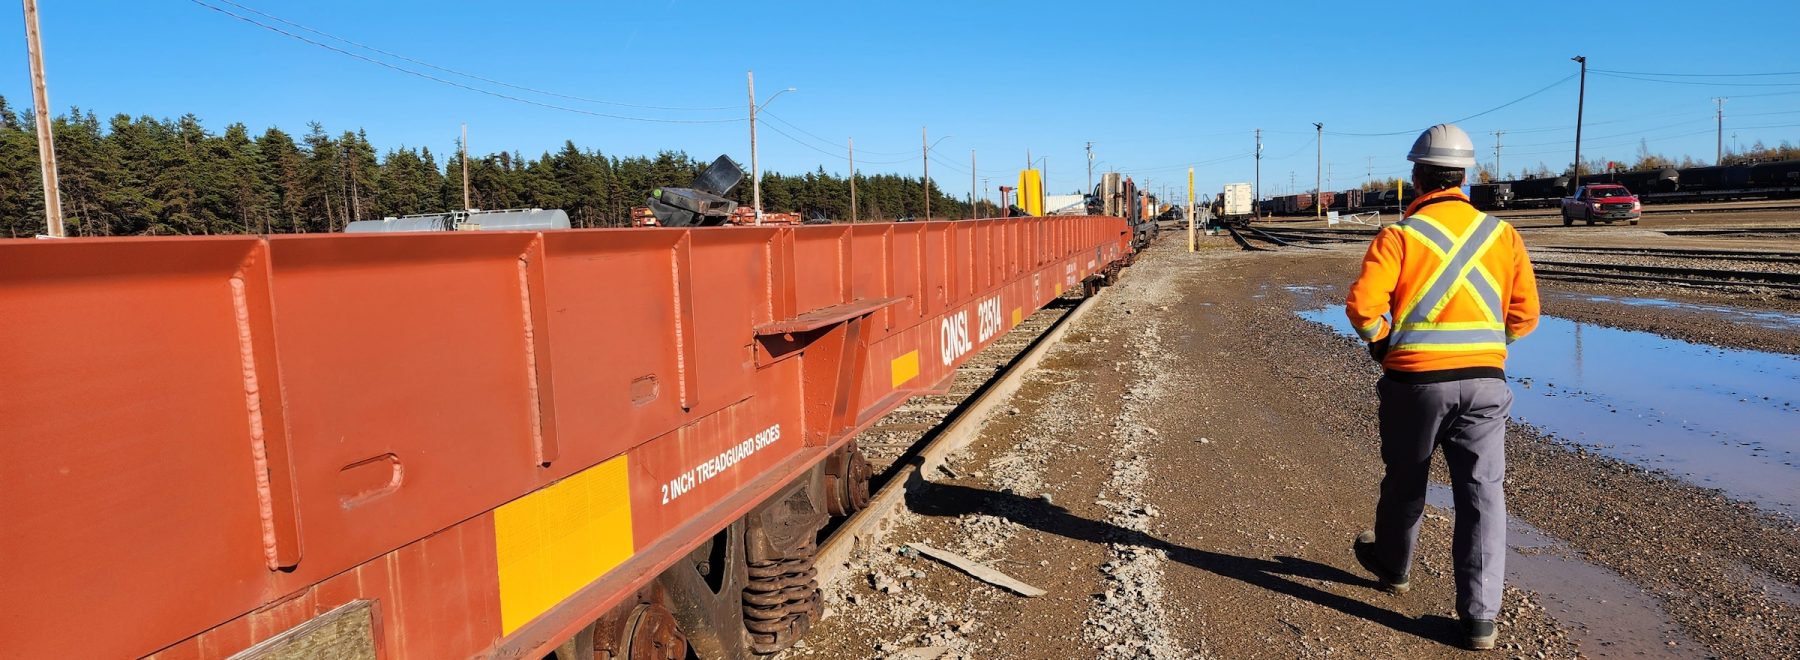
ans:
(468, 444)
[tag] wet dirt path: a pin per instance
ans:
(1183, 477)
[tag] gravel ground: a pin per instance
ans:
(1183, 476)
(1181, 488)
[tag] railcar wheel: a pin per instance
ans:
(847, 475)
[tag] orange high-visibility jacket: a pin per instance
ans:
(1454, 284)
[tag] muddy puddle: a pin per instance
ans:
(1606, 614)
(1721, 418)
(1771, 320)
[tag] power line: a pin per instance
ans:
(942, 162)
(803, 143)
(501, 83)
(1697, 75)
(1182, 166)
(1296, 152)
(1636, 133)
(832, 144)
(1497, 108)
(1642, 132)
(1699, 82)
(453, 83)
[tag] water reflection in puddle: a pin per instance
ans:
(1780, 321)
(1609, 616)
(1722, 418)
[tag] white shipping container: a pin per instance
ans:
(1237, 200)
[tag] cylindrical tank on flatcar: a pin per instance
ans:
(1561, 186)
(1532, 189)
(1778, 174)
(1715, 178)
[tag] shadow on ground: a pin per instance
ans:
(1278, 574)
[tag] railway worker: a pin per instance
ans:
(1440, 296)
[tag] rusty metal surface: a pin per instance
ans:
(234, 435)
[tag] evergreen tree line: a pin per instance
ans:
(147, 176)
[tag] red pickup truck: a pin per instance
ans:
(1605, 203)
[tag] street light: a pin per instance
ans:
(1580, 100)
(755, 178)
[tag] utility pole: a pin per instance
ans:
(1719, 148)
(973, 212)
(1497, 135)
(852, 180)
(925, 157)
(465, 166)
(1580, 104)
(40, 96)
(1257, 202)
(1193, 240)
(755, 180)
(1319, 170)
(1090, 155)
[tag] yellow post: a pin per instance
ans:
(1400, 195)
(1193, 243)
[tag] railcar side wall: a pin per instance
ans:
(486, 437)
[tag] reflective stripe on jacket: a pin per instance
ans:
(1449, 286)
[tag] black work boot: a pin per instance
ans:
(1365, 555)
(1480, 633)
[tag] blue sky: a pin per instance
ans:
(1155, 86)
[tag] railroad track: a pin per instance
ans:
(908, 446)
(1237, 234)
(1733, 231)
(1317, 235)
(1704, 277)
(1666, 210)
(1681, 253)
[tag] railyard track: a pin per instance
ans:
(1242, 242)
(1702, 277)
(908, 446)
(1316, 236)
(1669, 209)
(1683, 253)
(1734, 231)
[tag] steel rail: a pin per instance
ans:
(1666, 209)
(1724, 231)
(865, 528)
(1675, 253)
(1669, 275)
(1243, 242)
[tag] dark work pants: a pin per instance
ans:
(1467, 418)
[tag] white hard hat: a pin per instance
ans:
(1443, 145)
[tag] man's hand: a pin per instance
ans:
(1379, 349)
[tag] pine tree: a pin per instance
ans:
(282, 167)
